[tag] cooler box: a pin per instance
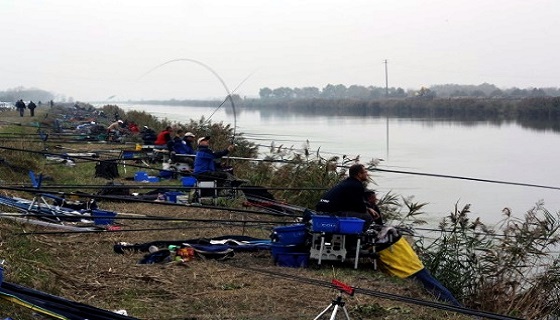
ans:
(289, 235)
(322, 223)
(102, 217)
(350, 225)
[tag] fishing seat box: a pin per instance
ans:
(291, 256)
(338, 225)
(324, 223)
(289, 235)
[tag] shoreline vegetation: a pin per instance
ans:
(538, 113)
(512, 269)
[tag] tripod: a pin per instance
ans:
(335, 305)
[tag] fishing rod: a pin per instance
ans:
(375, 293)
(234, 90)
(123, 230)
(228, 96)
(143, 218)
(120, 198)
(158, 186)
(465, 178)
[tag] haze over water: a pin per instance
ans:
(480, 150)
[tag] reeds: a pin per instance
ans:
(510, 269)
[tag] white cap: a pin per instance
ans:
(189, 134)
(202, 139)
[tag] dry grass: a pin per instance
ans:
(83, 267)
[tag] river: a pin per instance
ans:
(479, 150)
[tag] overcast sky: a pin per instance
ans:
(93, 49)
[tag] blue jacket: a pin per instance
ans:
(204, 160)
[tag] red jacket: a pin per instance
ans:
(162, 138)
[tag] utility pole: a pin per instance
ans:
(386, 80)
(387, 111)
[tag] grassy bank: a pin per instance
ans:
(84, 267)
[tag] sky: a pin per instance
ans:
(90, 50)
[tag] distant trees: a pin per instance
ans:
(332, 91)
(340, 91)
(33, 94)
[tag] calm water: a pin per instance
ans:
(480, 150)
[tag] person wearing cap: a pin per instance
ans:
(177, 144)
(115, 126)
(114, 130)
(204, 165)
(189, 139)
(148, 135)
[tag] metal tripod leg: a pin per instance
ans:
(334, 306)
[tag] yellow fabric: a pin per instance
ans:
(400, 259)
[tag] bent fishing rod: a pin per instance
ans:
(228, 96)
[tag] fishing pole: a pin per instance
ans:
(164, 203)
(465, 178)
(234, 90)
(375, 293)
(228, 96)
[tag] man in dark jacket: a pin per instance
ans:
(347, 198)
(148, 135)
(20, 106)
(32, 107)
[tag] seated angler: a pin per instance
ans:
(179, 149)
(148, 135)
(205, 167)
(347, 197)
(163, 138)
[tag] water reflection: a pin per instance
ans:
(494, 149)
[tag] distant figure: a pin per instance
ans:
(189, 140)
(51, 103)
(163, 138)
(148, 135)
(32, 107)
(20, 106)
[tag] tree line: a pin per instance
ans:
(340, 91)
(32, 94)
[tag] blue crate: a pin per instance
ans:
(350, 225)
(102, 217)
(321, 223)
(293, 260)
(289, 256)
(292, 234)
